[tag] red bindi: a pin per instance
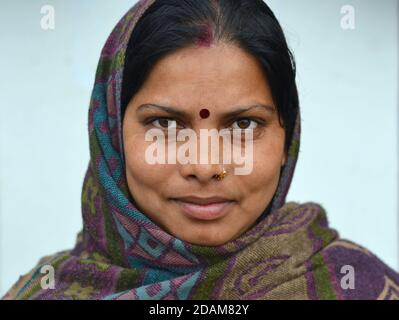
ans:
(204, 113)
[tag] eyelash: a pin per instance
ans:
(259, 123)
(151, 120)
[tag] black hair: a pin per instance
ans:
(169, 25)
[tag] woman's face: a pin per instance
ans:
(221, 78)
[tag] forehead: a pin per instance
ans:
(218, 73)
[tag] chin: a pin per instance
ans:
(207, 243)
(205, 239)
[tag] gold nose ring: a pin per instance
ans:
(221, 176)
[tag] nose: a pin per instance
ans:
(207, 162)
(203, 173)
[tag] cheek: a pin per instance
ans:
(139, 171)
(266, 172)
(268, 156)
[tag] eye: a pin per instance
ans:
(164, 123)
(245, 124)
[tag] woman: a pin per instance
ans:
(199, 230)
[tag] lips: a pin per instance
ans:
(210, 208)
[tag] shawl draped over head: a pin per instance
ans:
(291, 253)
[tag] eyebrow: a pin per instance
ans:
(179, 113)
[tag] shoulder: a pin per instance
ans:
(28, 281)
(358, 273)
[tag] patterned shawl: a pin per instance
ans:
(291, 253)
